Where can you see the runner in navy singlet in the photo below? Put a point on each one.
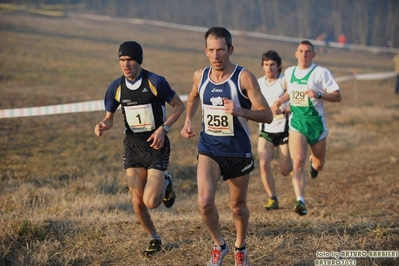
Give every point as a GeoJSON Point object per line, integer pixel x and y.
{"type": "Point", "coordinates": [229, 96]}
{"type": "Point", "coordinates": [142, 96]}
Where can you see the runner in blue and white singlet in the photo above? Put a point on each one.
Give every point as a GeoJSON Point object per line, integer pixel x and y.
{"type": "Point", "coordinates": [223, 134]}
{"type": "Point", "coordinates": [229, 96]}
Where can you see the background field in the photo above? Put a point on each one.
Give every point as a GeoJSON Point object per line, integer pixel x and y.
{"type": "Point", "coordinates": [63, 195]}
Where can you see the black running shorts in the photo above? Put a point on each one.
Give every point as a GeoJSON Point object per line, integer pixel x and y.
{"type": "Point", "coordinates": [138, 153]}
{"type": "Point", "coordinates": [277, 139]}
{"type": "Point", "coordinates": [231, 167]}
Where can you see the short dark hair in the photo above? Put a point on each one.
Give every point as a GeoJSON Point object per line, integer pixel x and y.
{"type": "Point", "coordinates": [221, 33]}
{"type": "Point", "coordinates": [306, 42]}
{"type": "Point", "coordinates": [272, 55]}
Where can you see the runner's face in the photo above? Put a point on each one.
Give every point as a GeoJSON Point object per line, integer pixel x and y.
{"type": "Point", "coordinates": [305, 55]}
{"type": "Point", "coordinates": [130, 68]}
{"type": "Point", "coordinates": [217, 52]}
{"type": "Point", "coordinates": [270, 68]}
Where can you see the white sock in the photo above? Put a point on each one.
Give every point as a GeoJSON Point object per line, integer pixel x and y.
{"type": "Point", "coordinates": [301, 199]}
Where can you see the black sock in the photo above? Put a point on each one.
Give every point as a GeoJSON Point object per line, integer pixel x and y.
{"type": "Point", "coordinates": [223, 246]}
{"type": "Point", "coordinates": [241, 249]}
{"type": "Point", "coordinates": [274, 198]}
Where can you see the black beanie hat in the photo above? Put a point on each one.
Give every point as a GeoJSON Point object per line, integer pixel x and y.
{"type": "Point", "coordinates": [132, 49]}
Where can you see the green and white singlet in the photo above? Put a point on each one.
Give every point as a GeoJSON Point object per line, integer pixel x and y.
{"type": "Point", "coordinates": [308, 113]}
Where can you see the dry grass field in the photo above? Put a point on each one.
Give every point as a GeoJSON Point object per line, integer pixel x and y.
{"type": "Point", "coordinates": [63, 194]}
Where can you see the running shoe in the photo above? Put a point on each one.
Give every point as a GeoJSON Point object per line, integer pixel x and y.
{"type": "Point", "coordinates": [154, 247]}
{"type": "Point", "coordinates": [170, 194]}
{"type": "Point", "coordinates": [300, 208]}
{"type": "Point", "coordinates": [271, 205]}
{"type": "Point", "coordinates": [241, 257]}
{"type": "Point", "coordinates": [312, 172]}
{"type": "Point", "coordinates": [218, 255]}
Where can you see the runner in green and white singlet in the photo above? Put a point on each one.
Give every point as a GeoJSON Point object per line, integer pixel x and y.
{"type": "Point", "coordinates": [307, 113]}
{"type": "Point", "coordinates": [308, 87]}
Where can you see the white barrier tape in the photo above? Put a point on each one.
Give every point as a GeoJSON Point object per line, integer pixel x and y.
{"type": "Point", "coordinates": [88, 106]}
{"type": "Point", "coordinates": [374, 76]}
{"type": "Point", "coordinates": [184, 97]}
{"type": "Point", "coordinates": [371, 76]}
{"type": "Point", "coordinates": [98, 105]}
{"type": "Point", "coordinates": [53, 109]}
{"type": "Point", "coordinates": [344, 78]}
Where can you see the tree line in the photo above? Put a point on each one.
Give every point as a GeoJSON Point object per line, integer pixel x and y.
{"type": "Point", "coordinates": [363, 22]}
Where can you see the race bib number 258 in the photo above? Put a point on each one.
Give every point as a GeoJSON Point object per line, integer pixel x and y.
{"type": "Point", "coordinates": [217, 122]}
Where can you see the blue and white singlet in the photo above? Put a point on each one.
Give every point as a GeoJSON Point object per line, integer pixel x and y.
{"type": "Point", "coordinates": [223, 134]}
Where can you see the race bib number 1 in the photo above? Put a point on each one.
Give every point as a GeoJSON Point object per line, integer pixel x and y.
{"type": "Point", "coordinates": [217, 122]}
{"type": "Point", "coordinates": [140, 118]}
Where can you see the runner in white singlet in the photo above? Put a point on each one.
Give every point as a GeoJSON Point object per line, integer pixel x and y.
{"type": "Point", "coordinates": [274, 135]}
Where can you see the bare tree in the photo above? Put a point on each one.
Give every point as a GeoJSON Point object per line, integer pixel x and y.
{"type": "Point", "coordinates": [303, 17]}
{"type": "Point", "coordinates": [337, 7]}
{"type": "Point", "coordinates": [263, 16]}
{"type": "Point", "coordinates": [379, 14]}
{"type": "Point", "coordinates": [363, 21]}
{"type": "Point", "coordinates": [392, 22]}
{"type": "Point", "coordinates": [360, 20]}
{"type": "Point", "coordinates": [276, 16]}
{"type": "Point", "coordinates": [219, 12]}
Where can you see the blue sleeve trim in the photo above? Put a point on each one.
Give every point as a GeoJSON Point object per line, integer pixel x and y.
{"type": "Point", "coordinates": [110, 103]}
